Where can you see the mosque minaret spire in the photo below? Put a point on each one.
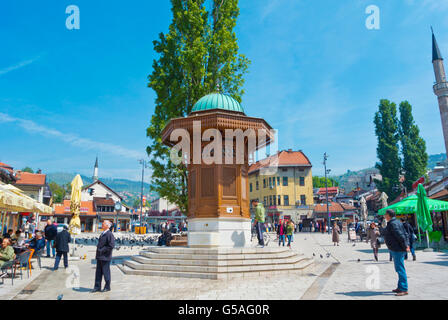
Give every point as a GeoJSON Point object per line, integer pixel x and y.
{"type": "Point", "coordinates": [440, 87]}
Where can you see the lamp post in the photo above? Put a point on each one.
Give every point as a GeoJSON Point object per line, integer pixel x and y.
{"type": "Point", "coordinates": [326, 189]}
{"type": "Point", "coordinates": [144, 164]}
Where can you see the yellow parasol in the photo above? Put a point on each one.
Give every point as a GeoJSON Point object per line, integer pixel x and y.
{"type": "Point", "coordinates": [75, 205]}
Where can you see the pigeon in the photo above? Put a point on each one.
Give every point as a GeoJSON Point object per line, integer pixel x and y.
{"type": "Point", "coordinates": [314, 254]}
{"type": "Point", "coordinates": [354, 245]}
{"type": "Point", "coordinates": [60, 297]}
{"type": "Point", "coordinates": [321, 256]}
{"type": "Point", "coordinates": [359, 260]}
{"type": "Point", "coordinates": [328, 255]}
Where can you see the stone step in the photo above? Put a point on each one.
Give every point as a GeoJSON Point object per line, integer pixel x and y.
{"type": "Point", "coordinates": [216, 269]}
{"type": "Point", "coordinates": [300, 268]}
{"type": "Point", "coordinates": [129, 271]}
{"type": "Point", "coordinates": [220, 251]}
{"type": "Point", "coordinates": [203, 262]}
{"type": "Point", "coordinates": [193, 256]}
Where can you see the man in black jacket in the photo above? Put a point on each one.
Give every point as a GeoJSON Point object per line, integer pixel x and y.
{"type": "Point", "coordinates": [411, 235]}
{"type": "Point", "coordinates": [397, 242]}
{"type": "Point", "coordinates": [106, 244]}
{"type": "Point", "coordinates": [61, 244]}
{"type": "Point", "coordinates": [50, 235]}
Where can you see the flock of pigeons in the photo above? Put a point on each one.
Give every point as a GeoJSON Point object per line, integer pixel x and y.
{"type": "Point", "coordinates": [126, 242]}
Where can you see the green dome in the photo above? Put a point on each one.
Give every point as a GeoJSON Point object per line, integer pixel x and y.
{"type": "Point", "coordinates": [217, 101]}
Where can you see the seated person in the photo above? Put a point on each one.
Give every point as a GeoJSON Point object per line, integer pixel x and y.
{"type": "Point", "coordinates": [8, 234]}
{"type": "Point", "coordinates": [165, 238]}
{"type": "Point", "coordinates": [6, 252]}
{"type": "Point", "coordinates": [36, 243]}
{"type": "Point", "coordinates": [18, 238]}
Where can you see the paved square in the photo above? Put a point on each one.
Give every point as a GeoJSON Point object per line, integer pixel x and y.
{"type": "Point", "coordinates": [337, 274]}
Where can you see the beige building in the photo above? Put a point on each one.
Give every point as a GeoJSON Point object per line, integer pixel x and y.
{"type": "Point", "coordinates": [284, 183]}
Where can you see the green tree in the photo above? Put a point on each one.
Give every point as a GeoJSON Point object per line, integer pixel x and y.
{"type": "Point", "coordinates": [386, 130]}
{"type": "Point", "coordinates": [199, 52]}
{"type": "Point", "coordinates": [136, 204]}
{"type": "Point", "coordinates": [319, 182]}
{"type": "Point", "coordinates": [415, 158]}
{"type": "Point", "coordinates": [28, 169]}
{"type": "Point", "coordinates": [57, 191]}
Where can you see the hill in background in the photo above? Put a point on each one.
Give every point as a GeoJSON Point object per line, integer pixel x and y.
{"type": "Point", "coordinates": [349, 180]}
{"type": "Point", "coordinates": [128, 189]}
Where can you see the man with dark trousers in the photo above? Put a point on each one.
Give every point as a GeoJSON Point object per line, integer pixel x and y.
{"type": "Point", "coordinates": [397, 241]}
{"type": "Point", "coordinates": [61, 244]}
{"type": "Point", "coordinates": [106, 244]}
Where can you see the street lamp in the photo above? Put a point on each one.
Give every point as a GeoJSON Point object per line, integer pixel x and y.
{"type": "Point", "coordinates": [327, 171]}
{"type": "Point", "coordinates": [144, 164]}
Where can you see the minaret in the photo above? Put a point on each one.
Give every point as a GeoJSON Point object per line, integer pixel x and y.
{"type": "Point", "coordinates": [440, 87]}
{"type": "Point", "coordinates": [95, 171]}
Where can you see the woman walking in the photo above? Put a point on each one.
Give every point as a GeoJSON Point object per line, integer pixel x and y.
{"type": "Point", "coordinates": [335, 233]}
{"type": "Point", "coordinates": [281, 231]}
{"type": "Point", "coordinates": [372, 234]}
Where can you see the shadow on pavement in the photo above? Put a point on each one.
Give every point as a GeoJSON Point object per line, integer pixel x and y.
{"type": "Point", "coordinates": [82, 289]}
{"type": "Point", "coordinates": [365, 293]}
{"type": "Point", "coordinates": [115, 260]}
{"type": "Point", "coordinates": [438, 263]}
{"type": "Point", "coordinates": [371, 251]}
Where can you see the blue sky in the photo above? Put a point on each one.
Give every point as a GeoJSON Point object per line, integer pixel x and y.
{"type": "Point", "coordinates": [317, 75]}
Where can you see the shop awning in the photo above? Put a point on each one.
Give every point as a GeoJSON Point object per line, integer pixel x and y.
{"type": "Point", "coordinates": [13, 199]}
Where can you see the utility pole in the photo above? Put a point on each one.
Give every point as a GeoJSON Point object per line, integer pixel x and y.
{"type": "Point", "coordinates": [326, 189]}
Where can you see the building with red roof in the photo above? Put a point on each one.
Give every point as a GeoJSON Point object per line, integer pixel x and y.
{"type": "Point", "coordinates": [284, 183]}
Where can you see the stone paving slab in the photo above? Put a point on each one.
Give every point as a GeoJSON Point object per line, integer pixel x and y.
{"type": "Point", "coordinates": [349, 280]}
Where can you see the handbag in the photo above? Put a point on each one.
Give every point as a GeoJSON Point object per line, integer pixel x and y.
{"type": "Point", "coordinates": [380, 241]}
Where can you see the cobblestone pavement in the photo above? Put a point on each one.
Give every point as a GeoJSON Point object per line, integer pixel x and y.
{"type": "Point", "coordinates": [336, 275]}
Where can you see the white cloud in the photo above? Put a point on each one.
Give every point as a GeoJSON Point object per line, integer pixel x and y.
{"type": "Point", "coordinates": [17, 66]}
{"type": "Point", "coordinates": [83, 143]}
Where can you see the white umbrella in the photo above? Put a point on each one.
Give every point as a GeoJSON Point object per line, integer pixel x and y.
{"type": "Point", "coordinates": [364, 210]}
{"type": "Point", "coordinates": [383, 199]}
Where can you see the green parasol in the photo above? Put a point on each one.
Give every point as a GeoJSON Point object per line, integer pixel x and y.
{"type": "Point", "coordinates": [409, 206]}
{"type": "Point", "coordinates": [423, 214]}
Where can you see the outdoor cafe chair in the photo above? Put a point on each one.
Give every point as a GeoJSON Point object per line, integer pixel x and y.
{"type": "Point", "coordinates": [38, 256]}
{"type": "Point", "coordinates": [23, 261]}
{"type": "Point", "coordinates": [8, 265]}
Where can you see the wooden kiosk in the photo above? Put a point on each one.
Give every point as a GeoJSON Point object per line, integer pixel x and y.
{"type": "Point", "coordinates": [218, 193]}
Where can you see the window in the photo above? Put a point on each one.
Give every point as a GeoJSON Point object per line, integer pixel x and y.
{"type": "Point", "coordinates": [264, 201]}
{"type": "Point", "coordinates": [285, 181]}
{"type": "Point", "coordinates": [286, 200]}
{"type": "Point", "coordinates": [256, 185]}
{"type": "Point", "coordinates": [250, 187]}
{"type": "Point", "coordinates": [284, 169]}
{"type": "Point", "coordinates": [302, 181]}
{"type": "Point", "coordinates": [270, 200]}
{"type": "Point", "coordinates": [270, 182]}
{"type": "Point", "coordinates": [279, 200]}
{"type": "Point", "coordinates": [264, 183]}
{"type": "Point", "coordinates": [278, 181]}
{"type": "Point", "coordinates": [301, 169]}
{"type": "Point", "coordinates": [303, 199]}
